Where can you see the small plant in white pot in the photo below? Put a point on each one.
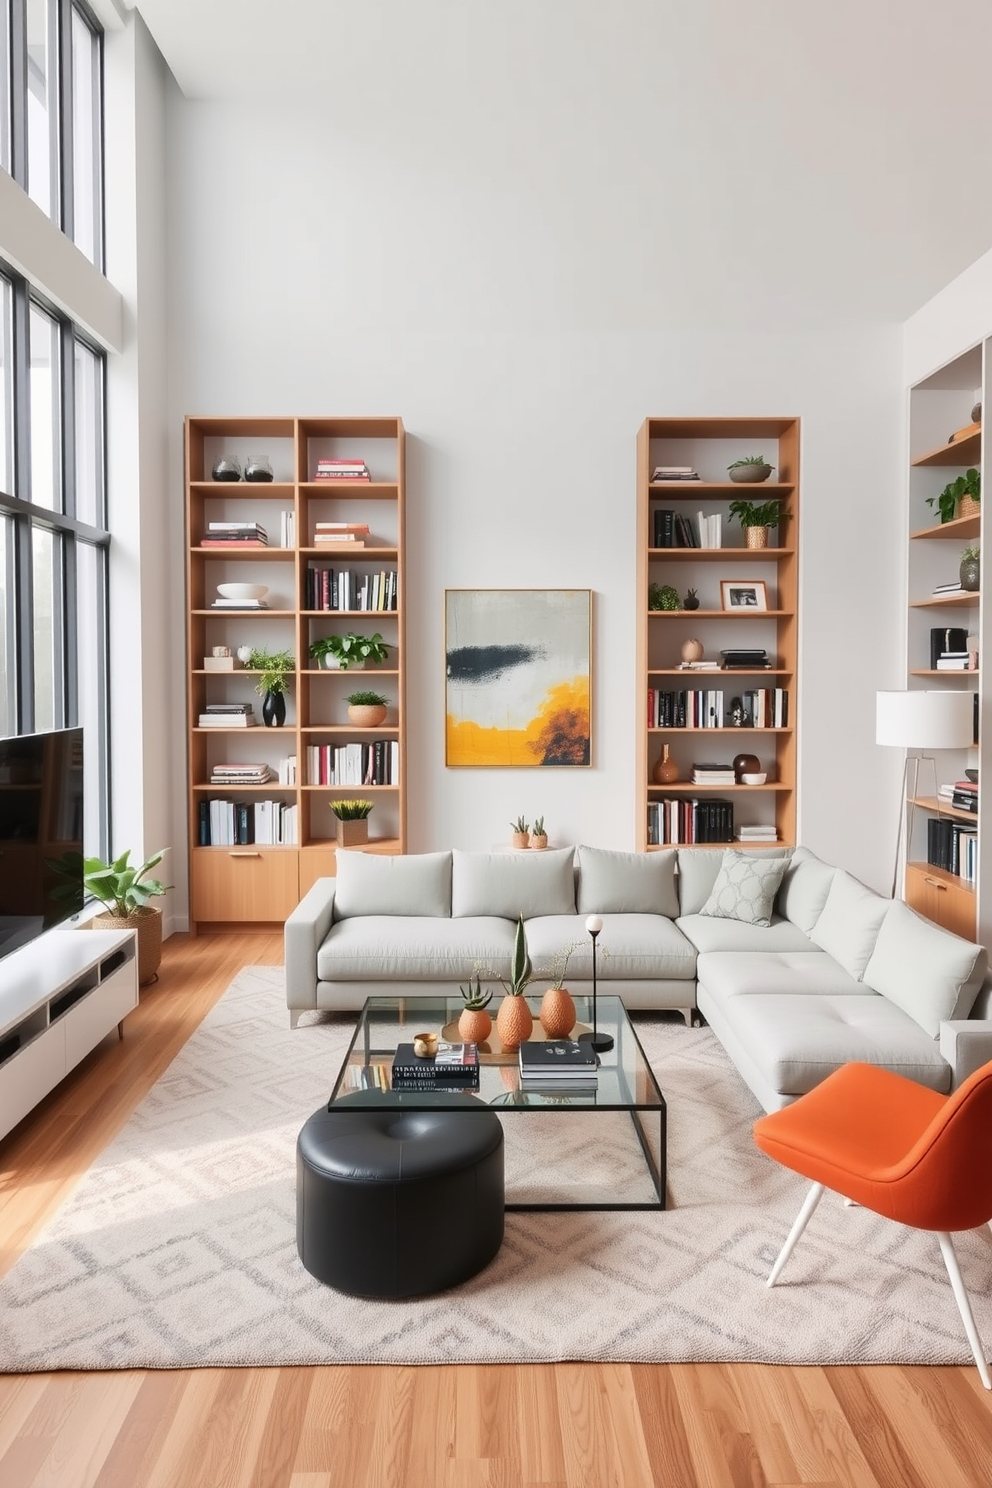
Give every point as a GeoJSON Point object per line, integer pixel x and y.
{"type": "Point", "coordinates": [367, 709]}
{"type": "Point", "coordinates": [353, 821]}
{"type": "Point", "coordinates": [349, 652]}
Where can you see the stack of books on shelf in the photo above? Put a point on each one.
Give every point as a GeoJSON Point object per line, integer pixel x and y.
{"type": "Point", "coordinates": [745, 659]}
{"type": "Point", "coordinates": [964, 795]}
{"type": "Point", "coordinates": [228, 715]}
{"type": "Point", "coordinates": [559, 1064]}
{"type": "Point", "coordinates": [235, 535]}
{"type": "Point", "coordinates": [710, 530]}
{"type": "Point", "coordinates": [377, 763]}
{"type": "Point", "coordinates": [954, 586]}
{"type": "Point", "coordinates": [953, 846]}
{"type": "Point", "coordinates": [239, 604]}
{"type": "Point", "coordinates": [237, 823]}
{"type": "Point", "coordinates": [947, 641]}
{"type": "Point", "coordinates": [957, 661]}
{"type": "Point", "coordinates": [757, 834]}
{"type": "Point", "coordinates": [349, 470]}
{"type": "Point", "coordinates": [344, 589]}
{"type": "Point", "coordinates": [674, 473]}
{"type": "Point", "coordinates": [287, 529]}
{"type": "Point", "coordinates": [680, 821]}
{"type": "Point", "coordinates": [672, 530]}
{"type": "Point", "coordinates": [699, 666]}
{"type": "Point", "coordinates": [713, 774]}
{"type": "Point", "coordinates": [240, 774]}
{"type": "Point", "coordinates": [453, 1067]}
{"type": "Point", "coordinates": [344, 535]}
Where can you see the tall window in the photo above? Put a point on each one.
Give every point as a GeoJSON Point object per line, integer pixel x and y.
{"type": "Point", "coordinates": [53, 535]}
{"type": "Point", "coordinates": [51, 113]}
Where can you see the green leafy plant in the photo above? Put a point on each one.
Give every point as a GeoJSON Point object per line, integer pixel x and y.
{"type": "Point", "coordinates": [274, 667]}
{"type": "Point", "coordinates": [474, 997]}
{"type": "Point", "coordinates": [758, 513]}
{"type": "Point", "coordinates": [118, 886]}
{"type": "Point", "coordinates": [520, 978]}
{"type": "Point", "coordinates": [366, 700]}
{"type": "Point", "coordinates": [520, 825]}
{"type": "Point", "coordinates": [350, 648]}
{"type": "Point", "coordinates": [969, 484]}
{"type": "Point", "coordinates": [663, 597]}
{"type": "Point", "coordinates": [749, 460]}
{"type": "Point", "coordinates": [970, 554]}
{"type": "Point", "coordinates": [538, 828]}
{"type": "Point", "coordinates": [351, 810]}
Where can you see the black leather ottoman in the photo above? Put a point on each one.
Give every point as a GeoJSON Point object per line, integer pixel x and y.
{"type": "Point", "coordinates": [397, 1202]}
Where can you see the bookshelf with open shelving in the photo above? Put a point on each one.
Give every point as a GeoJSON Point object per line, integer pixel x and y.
{"type": "Point", "coordinates": [710, 445]}
{"type": "Point", "coordinates": [254, 881]}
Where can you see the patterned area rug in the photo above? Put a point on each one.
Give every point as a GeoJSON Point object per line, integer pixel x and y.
{"type": "Point", "coordinates": [178, 1248]}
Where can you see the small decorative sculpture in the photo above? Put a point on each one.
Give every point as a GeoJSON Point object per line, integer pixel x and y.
{"type": "Point", "coordinates": [692, 650]}
{"type": "Point", "coordinates": [691, 601]}
{"type": "Point", "coordinates": [737, 715]}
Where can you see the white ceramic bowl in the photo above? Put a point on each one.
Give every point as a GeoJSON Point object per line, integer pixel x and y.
{"type": "Point", "coordinates": [754, 779]}
{"type": "Point", "coordinates": [242, 591]}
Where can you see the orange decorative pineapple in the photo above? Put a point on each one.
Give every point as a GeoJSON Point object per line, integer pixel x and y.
{"type": "Point", "coordinates": [474, 1023]}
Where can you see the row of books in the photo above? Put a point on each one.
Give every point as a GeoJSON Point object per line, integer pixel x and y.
{"type": "Point", "coordinates": [953, 846]}
{"type": "Point", "coordinates": [764, 707]}
{"type": "Point", "coordinates": [349, 470]}
{"type": "Point", "coordinates": [237, 823]}
{"type": "Point", "coordinates": [377, 763]}
{"type": "Point", "coordinates": [235, 535]}
{"type": "Point", "coordinates": [687, 820]}
{"type": "Point", "coordinates": [452, 1067]}
{"type": "Point", "coordinates": [343, 589]}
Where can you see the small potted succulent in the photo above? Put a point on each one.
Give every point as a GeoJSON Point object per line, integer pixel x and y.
{"type": "Point", "coordinates": [350, 651]}
{"type": "Point", "coordinates": [970, 570]}
{"type": "Point", "coordinates": [538, 836]}
{"type": "Point", "coordinates": [752, 469]}
{"type": "Point", "coordinates": [961, 497]}
{"type": "Point", "coordinates": [353, 821]}
{"type": "Point", "coordinates": [474, 1023]}
{"type": "Point", "coordinates": [366, 709]}
{"type": "Point", "coordinates": [756, 518]}
{"type": "Point", "coordinates": [663, 597]}
{"type": "Point", "coordinates": [521, 832]}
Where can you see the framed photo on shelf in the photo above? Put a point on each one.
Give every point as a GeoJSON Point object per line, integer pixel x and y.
{"type": "Point", "coordinates": [517, 677]}
{"type": "Point", "coordinates": [743, 594]}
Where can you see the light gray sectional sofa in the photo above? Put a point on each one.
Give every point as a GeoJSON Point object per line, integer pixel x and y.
{"type": "Point", "coordinates": [797, 967]}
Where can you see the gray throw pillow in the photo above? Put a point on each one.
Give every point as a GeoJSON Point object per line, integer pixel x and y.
{"type": "Point", "coordinates": [745, 888]}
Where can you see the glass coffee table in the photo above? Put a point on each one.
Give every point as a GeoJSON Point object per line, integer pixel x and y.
{"type": "Point", "coordinates": [578, 1149]}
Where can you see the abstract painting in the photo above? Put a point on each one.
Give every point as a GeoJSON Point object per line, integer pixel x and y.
{"type": "Point", "coordinates": [517, 676]}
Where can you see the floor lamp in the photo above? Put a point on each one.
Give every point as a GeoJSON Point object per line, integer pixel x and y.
{"type": "Point", "coordinates": [923, 721]}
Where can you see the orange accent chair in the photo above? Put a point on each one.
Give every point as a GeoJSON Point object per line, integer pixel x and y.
{"type": "Point", "coordinates": [898, 1148]}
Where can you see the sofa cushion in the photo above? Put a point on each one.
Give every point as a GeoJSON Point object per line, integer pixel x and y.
{"type": "Point", "coordinates": [848, 924]}
{"type": "Point", "coordinates": [797, 1042]}
{"type": "Point", "coordinates": [708, 934]}
{"type": "Point", "coordinates": [510, 884]}
{"type": "Point", "coordinates": [745, 888]}
{"type": "Point", "coordinates": [627, 882]}
{"type": "Point", "coordinates": [698, 868]}
{"type": "Point", "coordinates": [415, 884]}
{"type": "Point", "coordinates": [633, 947]}
{"type": "Point", "coordinates": [929, 973]}
{"type": "Point", "coordinates": [374, 948]}
{"type": "Point", "coordinates": [776, 973]}
{"type": "Point", "coordinates": [804, 889]}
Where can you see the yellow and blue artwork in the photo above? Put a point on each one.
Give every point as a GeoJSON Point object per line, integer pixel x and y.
{"type": "Point", "coordinates": [517, 677]}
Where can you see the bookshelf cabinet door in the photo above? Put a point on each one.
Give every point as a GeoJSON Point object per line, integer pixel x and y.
{"type": "Point", "coordinates": [232, 884]}
{"type": "Point", "coordinates": [940, 899]}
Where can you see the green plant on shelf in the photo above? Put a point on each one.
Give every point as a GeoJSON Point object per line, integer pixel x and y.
{"type": "Point", "coordinates": [366, 700]}
{"type": "Point", "coordinates": [350, 650]}
{"type": "Point", "coordinates": [946, 502]}
{"type": "Point", "coordinates": [663, 597]}
{"type": "Point", "coordinates": [274, 666]}
{"type": "Point", "coordinates": [749, 460]}
{"type": "Point", "coordinates": [757, 513]}
{"type": "Point", "coordinates": [971, 554]}
{"type": "Point", "coordinates": [351, 810]}
{"type": "Point", "coordinates": [521, 824]}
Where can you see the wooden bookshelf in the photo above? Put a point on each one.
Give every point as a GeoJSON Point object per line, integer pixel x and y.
{"type": "Point", "coordinates": [260, 883]}
{"type": "Point", "coordinates": [709, 445]}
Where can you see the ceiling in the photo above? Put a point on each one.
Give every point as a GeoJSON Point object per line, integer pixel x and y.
{"type": "Point", "coordinates": [851, 136]}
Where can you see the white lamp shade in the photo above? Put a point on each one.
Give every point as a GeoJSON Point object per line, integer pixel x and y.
{"type": "Point", "coordinates": [925, 720]}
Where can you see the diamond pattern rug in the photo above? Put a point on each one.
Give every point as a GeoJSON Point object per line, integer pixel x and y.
{"type": "Point", "coordinates": [178, 1249]}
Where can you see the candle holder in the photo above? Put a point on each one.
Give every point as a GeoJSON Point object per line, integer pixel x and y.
{"type": "Point", "coordinates": [600, 1042]}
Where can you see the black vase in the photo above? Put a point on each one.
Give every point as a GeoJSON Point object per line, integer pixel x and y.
{"type": "Point", "coordinates": [274, 709]}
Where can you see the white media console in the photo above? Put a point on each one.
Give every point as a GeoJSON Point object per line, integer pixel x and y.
{"type": "Point", "coordinates": [59, 996]}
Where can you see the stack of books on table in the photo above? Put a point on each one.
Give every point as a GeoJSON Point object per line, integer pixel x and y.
{"type": "Point", "coordinates": [349, 470]}
{"type": "Point", "coordinates": [228, 715]}
{"type": "Point", "coordinates": [757, 834]}
{"type": "Point", "coordinates": [453, 1067]}
{"type": "Point", "coordinates": [343, 536]}
{"type": "Point", "coordinates": [234, 535]}
{"type": "Point", "coordinates": [713, 774]}
{"type": "Point", "coordinates": [240, 774]}
{"type": "Point", "coordinates": [746, 659]}
{"type": "Point", "coordinates": [674, 473]}
{"type": "Point", "coordinates": [558, 1064]}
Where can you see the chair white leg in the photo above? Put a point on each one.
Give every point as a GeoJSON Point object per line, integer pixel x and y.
{"type": "Point", "coordinates": [812, 1199]}
{"type": "Point", "coordinates": [964, 1305]}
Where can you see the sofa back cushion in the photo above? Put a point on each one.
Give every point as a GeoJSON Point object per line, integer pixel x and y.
{"type": "Point", "coordinates": [626, 882]}
{"type": "Point", "coordinates": [513, 883]}
{"type": "Point", "coordinates": [698, 868]}
{"type": "Point", "coordinates": [417, 884]}
{"type": "Point", "coordinates": [929, 973]}
{"type": "Point", "coordinates": [804, 889]}
{"type": "Point", "coordinates": [848, 924]}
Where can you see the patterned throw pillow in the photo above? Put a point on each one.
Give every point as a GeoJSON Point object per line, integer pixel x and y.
{"type": "Point", "coordinates": [745, 888]}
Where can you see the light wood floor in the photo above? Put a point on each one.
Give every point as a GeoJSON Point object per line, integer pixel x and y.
{"type": "Point", "coordinates": [524, 1426]}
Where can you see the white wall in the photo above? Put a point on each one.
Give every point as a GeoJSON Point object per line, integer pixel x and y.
{"type": "Point", "coordinates": [313, 275]}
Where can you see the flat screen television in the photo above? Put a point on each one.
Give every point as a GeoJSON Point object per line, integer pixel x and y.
{"type": "Point", "coordinates": [41, 819]}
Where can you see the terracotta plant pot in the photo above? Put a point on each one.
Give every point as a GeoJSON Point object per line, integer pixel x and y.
{"type": "Point", "coordinates": [351, 833]}
{"type": "Point", "coordinates": [539, 840]}
{"type": "Point", "coordinates": [557, 1013]}
{"type": "Point", "coordinates": [756, 537]}
{"type": "Point", "coordinates": [147, 922]}
{"type": "Point", "coordinates": [514, 1022]}
{"type": "Point", "coordinates": [366, 715]}
{"type": "Point", "coordinates": [521, 839]}
{"type": "Point", "coordinates": [475, 1025]}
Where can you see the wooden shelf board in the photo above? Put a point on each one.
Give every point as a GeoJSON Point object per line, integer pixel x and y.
{"type": "Point", "coordinates": [330, 844]}
{"type": "Point", "coordinates": [253, 490]}
{"type": "Point", "coordinates": [959, 529]}
{"type": "Point", "coordinates": [737, 845]}
{"type": "Point", "coordinates": [263, 790]}
{"type": "Point", "coordinates": [945, 672]}
{"type": "Point", "coordinates": [716, 555]}
{"type": "Point", "coordinates": [746, 728]}
{"type": "Point", "coordinates": [350, 789]}
{"type": "Point", "coordinates": [350, 672]}
{"type": "Point", "coordinates": [324, 614]}
{"type": "Point", "coordinates": [943, 808]}
{"type": "Point", "coordinates": [946, 601]}
{"type": "Point", "coordinates": [351, 490]}
{"type": "Point", "coordinates": [720, 672]}
{"type": "Point", "coordinates": [965, 450]}
{"type": "Point", "coordinates": [350, 728]}
{"type": "Point", "coordinates": [687, 785]}
{"type": "Point", "coordinates": [943, 875]}
{"type": "Point", "coordinates": [746, 612]}
{"type": "Point", "coordinates": [240, 614]}
{"type": "Point", "coordinates": [685, 490]}
{"type": "Point", "coordinates": [360, 555]}
{"type": "Point", "coordinates": [244, 550]}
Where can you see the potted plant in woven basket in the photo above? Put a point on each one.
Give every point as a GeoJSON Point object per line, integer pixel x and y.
{"type": "Point", "coordinates": [756, 518]}
{"type": "Point", "coordinates": [125, 891]}
{"type": "Point", "coordinates": [961, 497]}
